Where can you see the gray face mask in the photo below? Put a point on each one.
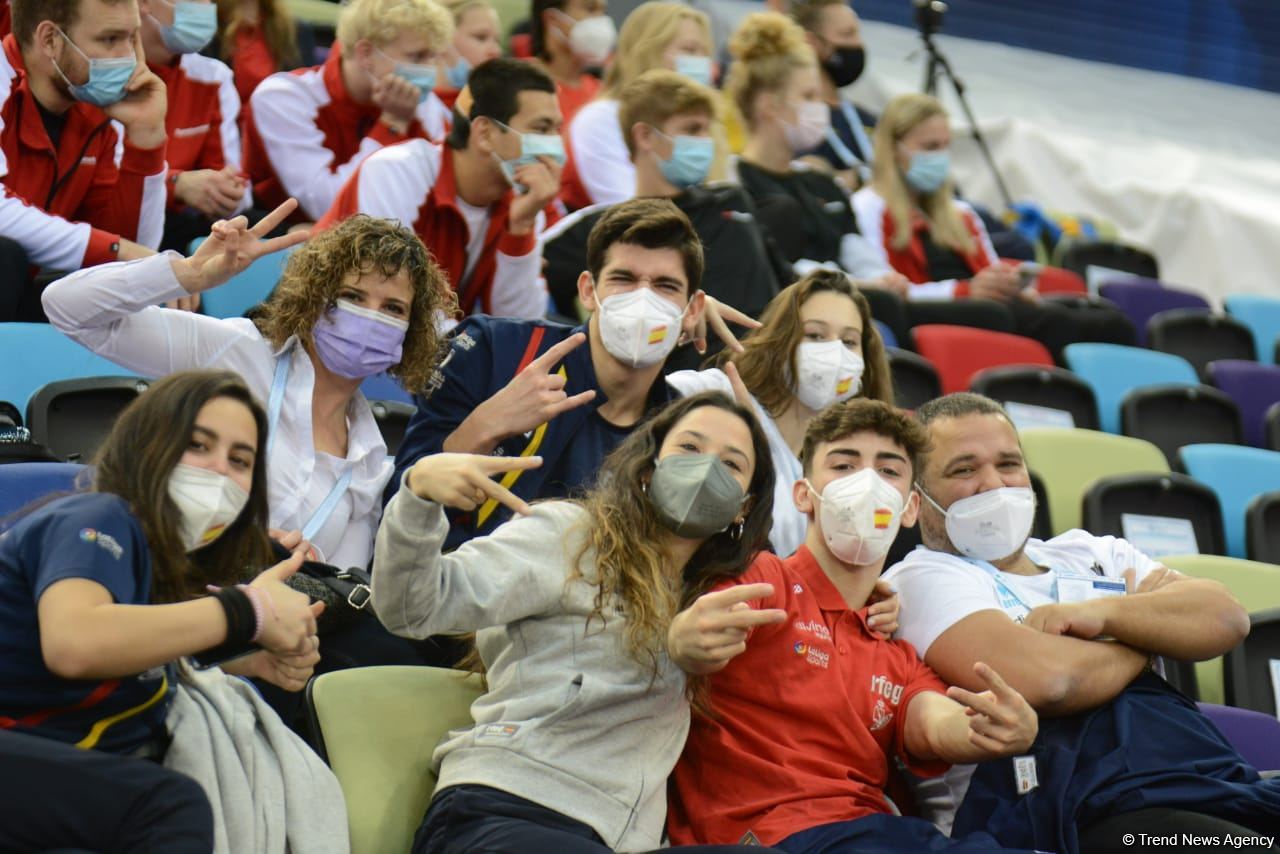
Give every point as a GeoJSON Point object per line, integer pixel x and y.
{"type": "Point", "coordinates": [694, 494]}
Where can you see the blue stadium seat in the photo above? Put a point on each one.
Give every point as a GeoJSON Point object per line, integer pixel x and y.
{"type": "Point", "coordinates": [1238, 474]}
{"type": "Point", "coordinates": [36, 354]}
{"type": "Point", "coordinates": [886, 334]}
{"type": "Point", "coordinates": [244, 290]}
{"type": "Point", "coordinates": [22, 483]}
{"type": "Point", "coordinates": [1262, 316]}
{"type": "Point", "coordinates": [1113, 371]}
{"type": "Point", "coordinates": [383, 387]}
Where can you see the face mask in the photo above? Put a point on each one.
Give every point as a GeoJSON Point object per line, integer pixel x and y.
{"type": "Point", "coordinates": [532, 146]}
{"type": "Point", "coordinates": [694, 495]}
{"type": "Point", "coordinates": [422, 77]}
{"type": "Point", "coordinates": [990, 525]}
{"type": "Point", "coordinates": [696, 68]}
{"type": "Point", "coordinates": [845, 65]}
{"type": "Point", "coordinates": [639, 328]}
{"type": "Point", "coordinates": [860, 516]}
{"type": "Point", "coordinates": [356, 342]}
{"type": "Point", "coordinates": [591, 39]}
{"type": "Point", "coordinates": [813, 120]}
{"type": "Point", "coordinates": [107, 78]}
{"type": "Point", "coordinates": [457, 74]}
{"type": "Point", "coordinates": [207, 503]}
{"type": "Point", "coordinates": [928, 170]}
{"type": "Point", "coordinates": [690, 159]}
{"type": "Point", "coordinates": [827, 371]}
{"type": "Point", "coordinates": [193, 27]}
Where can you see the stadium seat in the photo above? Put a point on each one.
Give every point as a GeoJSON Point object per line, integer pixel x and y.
{"type": "Point", "coordinates": [886, 334]}
{"type": "Point", "coordinates": [1070, 461]}
{"type": "Point", "coordinates": [1248, 681]}
{"type": "Point", "coordinates": [1200, 337]}
{"type": "Point", "coordinates": [1254, 387]}
{"type": "Point", "coordinates": [1112, 503]}
{"type": "Point", "coordinates": [1056, 280]}
{"type": "Point", "coordinates": [1050, 388]}
{"type": "Point", "coordinates": [10, 415]}
{"type": "Point", "coordinates": [1238, 475]}
{"type": "Point", "coordinates": [73, 417]}
{"type": "Point", "coordinates": [915, 380]}
{"type": "Point", "coordinates": [1256, 585]}
{"type": "Point", "coordinates": [1256, 736]}
{"type": "Point", "coordinates": [1078, 255]}
{"type": "Point", "coordinates": [1272, 427]}
{"type": "Point", "coordinates": [245, 289]}
{"type": "Point", "coordinates": [383, 387]}
{"type": "Point", "coordinates": [1170, 416]}
{"type": "Point", "coordinates": [387, 781]}
{"type": "Point", "coordinates": [35, 354]}
{"type": "Point", "coordinates": [1262, 316]}
{"type": "Point", "coordinates": [1141, 301]}
{"type": "Point", "coordinates": [22, 483]}
{"type": "Point", "coordinates": [959, 352]}
{"type": "Point", "coordinates": [1262, 528]}
{"type": "Point", "coordinates": [1113, 371]}
{"type": "Point", "coordinates": [393, 419]}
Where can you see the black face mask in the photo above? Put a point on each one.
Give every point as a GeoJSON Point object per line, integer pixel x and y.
{"type": "Point", "coordinates": [845, 65]}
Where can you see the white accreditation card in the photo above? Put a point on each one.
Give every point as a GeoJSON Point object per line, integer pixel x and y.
{"type": "Point", "coordinates": [1080, 588]}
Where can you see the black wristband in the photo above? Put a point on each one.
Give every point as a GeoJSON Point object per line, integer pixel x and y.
{"type": "Point", "coordinates": [241, 625]}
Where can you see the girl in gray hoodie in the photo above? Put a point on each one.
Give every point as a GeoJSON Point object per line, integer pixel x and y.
{"type": "Point", "coordinates": [571, 601]}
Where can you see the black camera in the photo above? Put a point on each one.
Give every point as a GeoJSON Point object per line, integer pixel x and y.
{"type": "Point", "coordinates": [929, 15]}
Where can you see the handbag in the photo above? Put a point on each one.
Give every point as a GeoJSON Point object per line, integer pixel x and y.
{"type": "Point", "coordinates": [346, 593]}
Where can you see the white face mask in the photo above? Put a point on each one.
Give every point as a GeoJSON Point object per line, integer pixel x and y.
{"type": "Point", "coordinates": [592, 39]}
{"type": "Point", "coordinates": [639, 328]}
{"type": "Point", "coordinates": [860, 516]}
{"type": "Point", "coordinates": [207, 503]}
{"type": "Point", "coordinates": [990, 525]}
{"type": "Point", "coordinates": [813, 120]}
{"type": "Point", "coordinates": [827, 371]}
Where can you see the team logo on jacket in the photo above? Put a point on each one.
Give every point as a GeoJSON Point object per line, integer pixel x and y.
{"type": "Point", "coordinates": [105, 541]}
{"type": "Point", "coordinates": [812, 654]}
{"type": "Point", "coordinates": [881, 717]}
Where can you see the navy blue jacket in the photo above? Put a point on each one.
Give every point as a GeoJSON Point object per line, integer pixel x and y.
{"type": "Point", "coordinates": [484, 354]}
{"type": "Point", "coordinates": [1149, 747]}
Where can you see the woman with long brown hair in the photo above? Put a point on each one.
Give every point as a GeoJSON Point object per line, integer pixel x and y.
{"type": "Point", "coordinates": [571, 601]}
{"type": "Point", "coordinates": [257, 38]}
{"type": "Point", "coordinates": [101, 591]}
{"type": "Point", "coordinates": [817, 345]}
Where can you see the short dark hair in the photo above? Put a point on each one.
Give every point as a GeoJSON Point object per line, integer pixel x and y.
{"type": "Point", "coordinates": [27, 15]}
{"type": "Point", "coordinates": [652, 223]}
{"type": "Point", "coordinates": [808, 13]}
{"type": "Point", "coordinates": [859, 414]}
{"type": "Point", "coordinates": [537, 35]}
{"type": "Point", "coordinates": [956, 405]}
{"type": "Point", "coordinates": [495, 88]}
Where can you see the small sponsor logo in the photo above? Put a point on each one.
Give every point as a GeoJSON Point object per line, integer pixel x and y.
{"type": "Point", "coordinates": [105, 541]}
{"type": "Point", "coordinates": [812, 654]}
{"type": "Point", "coordinates": [796, 588]}
{"type": "Point", "coordinates": [500, 730]}
{"type": "Point", "coordinates": [890, 691]}
{"type": "Point", "coordinates": [801, 648]}
{"type": "Point", "coordinates": [881, 717]}
{"type": "Point", "coordinates": [814, 628]}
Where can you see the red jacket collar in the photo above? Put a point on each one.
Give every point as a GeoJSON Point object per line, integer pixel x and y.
{"type": "Point", "coordinates": [30, 124]}
{"type": "Point", "coordinates": [331, 72]}
{"type": "Point", "coordinates": [829, 598]}
{"type": "Point", "coordinates": [445, 191]}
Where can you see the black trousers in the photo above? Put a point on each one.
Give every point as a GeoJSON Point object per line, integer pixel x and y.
{"type": "Point", "coordinates": [59, 797]}
{"type": "Point", "coordinates": [19, 298]}
{"type": "Point", "coordinates": [1110, 835]}
{"type": "Point", "coordinates": [474, 819]}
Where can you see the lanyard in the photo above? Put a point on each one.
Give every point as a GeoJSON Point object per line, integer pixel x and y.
{"type": "Point", "coordinates": [843, 151]}
{"type": "Point", "coordinates": [1007, 593]}
{"type": "Point", "coordinates": [274, 403]}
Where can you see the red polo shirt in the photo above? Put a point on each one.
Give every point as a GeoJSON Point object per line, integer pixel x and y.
{"type": "Point", "coordinates": [807, 719]}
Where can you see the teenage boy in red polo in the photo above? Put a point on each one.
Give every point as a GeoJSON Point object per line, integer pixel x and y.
{"type": "Point", "coordinates": [477, 200]}
{"type": "Point", "coordinates": [779, 760]}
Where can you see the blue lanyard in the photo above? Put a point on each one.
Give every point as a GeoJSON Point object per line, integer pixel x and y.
{"type": "Point", "coordinates": [843, 151]}
{"type": "Point", "coordinates": [274, 403]}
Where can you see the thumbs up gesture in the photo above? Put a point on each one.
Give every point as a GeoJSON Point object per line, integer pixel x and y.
{"type": "Point", "coordinates": [289, 624]}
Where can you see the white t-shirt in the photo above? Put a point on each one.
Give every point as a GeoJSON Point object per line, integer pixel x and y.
{"type": "Point", "coordinates": [789, 524]}
{"type": "Point", "coordinates": [477, 227]}
{"type": "Point", "coordinates": [600, 153]}
{"type": "Point", "coordinates": [938, 590]}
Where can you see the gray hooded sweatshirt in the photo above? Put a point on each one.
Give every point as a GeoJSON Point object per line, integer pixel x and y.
{"type": "Point", "coordinates": [571, 720]}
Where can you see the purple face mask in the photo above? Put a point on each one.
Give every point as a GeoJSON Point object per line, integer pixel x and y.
{"type": "Point", "coordinates": [356, 342]}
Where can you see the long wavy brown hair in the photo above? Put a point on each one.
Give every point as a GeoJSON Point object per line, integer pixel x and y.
{"type": "Point", "coordinates": [769, 377]}
{"type": "Point", "coordinates": [275, 21]}
{"type": "Point", "coordinates": [631, 566]}
{"type": "Point", "coordinates": [362, 244]}
{"type": "Point", "coordinates": [135, 462]}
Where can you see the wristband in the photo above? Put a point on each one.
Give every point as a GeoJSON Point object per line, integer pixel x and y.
{"type": "Point", "coordinates": [255, 600]}
{"type": "Point", "coordinates": [239, 610]}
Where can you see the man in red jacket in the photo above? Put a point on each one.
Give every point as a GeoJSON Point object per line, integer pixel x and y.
{"type": "Point", "coordinates": [71, 67]}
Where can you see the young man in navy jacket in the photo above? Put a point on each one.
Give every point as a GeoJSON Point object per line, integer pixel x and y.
{"type": "Point", "coordinates": [568, 395]}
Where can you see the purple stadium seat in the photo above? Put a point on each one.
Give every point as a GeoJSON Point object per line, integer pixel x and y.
{"type": "Point", "coordinates": [1254, 387]}
{"type": "Point", "coordinates": [1255, 735]}
{"type": "Point", "coordinates": [1142, 299]}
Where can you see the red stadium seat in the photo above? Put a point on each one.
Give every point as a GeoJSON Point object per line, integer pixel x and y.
{"type": "Point", "coordinates": [959, 352]}
{"type": "Point", "coordinates": [1056, 280]}
{"type": "Point", "coordinates": [522, 46]}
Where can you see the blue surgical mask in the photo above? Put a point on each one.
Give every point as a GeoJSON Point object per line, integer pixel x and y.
{"type": "Point", "coordinates": [458, 73]}
{"type": "Point", "coordinates": [696, 68]}
{"type": "Point", "coordinates": [423, 77]}
{"type": "Point", "coordinates": [532, 146]}
{"type": "Point", "coordinates": [928, 170]}
{"type": "Point", "coordinates": [690, 159]}
{"type": "Point", "coordinates": [193, 27]}
{"type": "Point", "coordinates": [107, 77]}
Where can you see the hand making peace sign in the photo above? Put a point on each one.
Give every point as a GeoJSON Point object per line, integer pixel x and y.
{"type": "Point", "coordinates": [232, 246]}
{"type": "Point", "coordinates": [465, 481]}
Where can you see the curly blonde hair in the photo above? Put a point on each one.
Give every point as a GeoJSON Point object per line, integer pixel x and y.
{"type": "Point", "coordinates": [381, 21]}
{"type": "Point", "coordinates": [358, 245]}
{"type": "Point", "coordinates": [767, 48]}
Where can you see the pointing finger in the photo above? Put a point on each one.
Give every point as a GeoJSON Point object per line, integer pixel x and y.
{"type": "Point", "coordinates": [497, 465]}
{"type": "Point", "coordinates": [740, 392]}
{"type": "Point", "coordinates": [738, 593]}
{"type": "Point", "coordinates": [268, 223]}
{"type": "Point", "coordinates": [554, 354]}
{"type": "Point", "coordinates": [504, 496]}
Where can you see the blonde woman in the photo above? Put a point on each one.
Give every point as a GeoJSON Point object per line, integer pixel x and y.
{"type": "Point", "coordinates": [834, 353]}
{"type": "Point", "coordinates": [913, 220]}
{"type": "Point", "coordinates": [656, 35]}
{"type": "Point", "coordinates": [477, 35]}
